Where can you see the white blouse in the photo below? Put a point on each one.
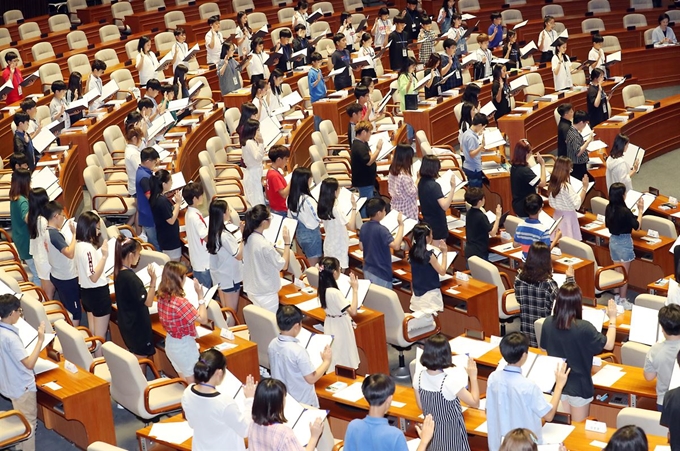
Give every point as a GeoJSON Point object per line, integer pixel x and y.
{"type": "Point", "coordinates": [563, 78]}
{"type": "Point", "coordinates": [148, 69]}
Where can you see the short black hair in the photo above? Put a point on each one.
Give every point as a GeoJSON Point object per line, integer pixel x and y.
{"type": "Point", "coordinates": [496, 15]}
{"type": "Point", "coordinates": [27, 104]}
{"type": "Point", "coordinates": [533, 204]}
{"type": "Point", "coordinates": [376, 388]}
{"type": "Point", "coordinates": [337, 38]}
{"type": "Point", "coordinates": [20, 117]}
{"type": "Point", "coordinates": [580, 116]}
{"type": "Point", "coordinates": [277, 152]}
{"type": "Point", "coordinates": [430, 166]}
{"type": "Point", "coordinates": [17, 159]}
{"type": "Point", "coordinates": [148, 153]}
{"type": "Point", "coordinates": [288, 316]}
{"type": "Point", "coordinates": [448, 43]}
{"type": "Point", "coordinates": [285, 34]}
{"type": "Point", "coordinates": [426, 20]}
{"type": "Point", "coordinates": [179, 31]}
{"type": "Point", "coordinates": [144, 102]}
{"type": "Point", "coordinates": [473, 195]}
{"type": "Point", "coordinates": [669, 319]}
{"type": "Point", "coordinates": [436, 353]}
{"type": "Point", "coordinates": [213, 19]}
{"type": "Point", "coordinates": [360, 91]}
{"type": "Point", "coordinates": [153, 84]}
{"type": "Point", "coordinates": [399, 19]}
{"type": "Point", "coordinates": [597, 39]}
{"type": "Point", "coordinates": [480, 119]}
{"type": "Point", "coordinates": [513, 346]}
{"type": "Point", "coordinates": [268, 402]}
{"type": "Point", "coordinates": [58, 85]}
{"type": "Point", "coordinates": [10, 56]}
{"type": "Point", "coordinates": [316, 56]}
{"type": "Point", "coordinates": [51, 209]}
{"type": "Point", "coordinates": [191, 191]}
{"type": "Point", "coordinates": [8, 304]}
{"type": "Point", "coordinates": [564, 109]}
{"type": "Point", "coordinates": [375, 206]}
{"type": "Point", "coordinates": [353, 109]}
{"type": "Point", "coordinates": [98, 65]}
{"type": "Point", "coordinates": [299, 27]}
{"type": "Point", "coordinates": [664, 16]}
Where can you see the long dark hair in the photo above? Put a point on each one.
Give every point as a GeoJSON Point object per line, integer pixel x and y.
{"type": "Point", "coordinates": [324, 208]}
{"type": "Point", "coordinates": [37, 199]}
{"type": "Point", "coordinates": [418, 252]}
{"type": "Point", "coordinates": [299, 185]}
{"type": "Point", "coordinates": [617, 203]}
{"type": "Point", "coordinates": [466, 115]}
{"type": "Point", "coordinates": [245, 26]}
{"type": "Point", "coordinates": [276, 73]}
{"type": "Point", "coordinates": [268, 402]}
{"type": "Point", "coordinates": [560, 175]}
{"type": "Point", "coordinates": [538, 266]}
{"type": "Point", "coordinates": [471, 93]}
{"type": "Point", "coordinates": [628, 438]}
{"type": "Point", "coordinates": [86, 228]}
{"type": "Point", "coordinates": [402, 161]}
{"type": "Point", "coordinates": [568, 306]}
{"type": "Point", "coordinates": [254, 219]}
{"type": "Point", "coordinates": [75, 82]}
{"type": "Point", "coordinates": [256, 86]}
{"type": "Point", "coordinates": [179, 76]}
{"type": "Point", "coordinates": [249, 131]}
{"type": "Point", "coordinates": [248, 110]}
{"type": "Point", "coordinates": [208, 363]}
{"type": "Point", "coordinates": [619, 146]}
{"type": "Point", "coordinates": [141, 43]}
{"type": "Point", "coordinates": [327, 268]}
{"type": "Point", "coordinates": [20, 184]}
{"type": "Point", "coordinates": [159, 178]}
{"type": "Point", "coordinates": [217, 211]}
{"type": "Point", "coordinates": [410, 61]}
{"type": "Point", "coordinates": [124, 247]}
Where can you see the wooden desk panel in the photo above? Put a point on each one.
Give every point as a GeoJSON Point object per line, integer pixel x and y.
{"type": "Point", "coordinates": [333, 109]}
{"type": "Point", "coordinates": [300, 140]}
{"type": "Point", "coordinates": [644, 64]}
{"type": "Point", "coordinates": [85, 415]}
{"type": "Point", "coordinates": [194, 142]}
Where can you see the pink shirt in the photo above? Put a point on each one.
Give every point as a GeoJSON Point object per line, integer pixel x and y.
{"type": "Point", "coordinates": [404, 194]}
{"type": "Point", "coordinates": [277, 437]}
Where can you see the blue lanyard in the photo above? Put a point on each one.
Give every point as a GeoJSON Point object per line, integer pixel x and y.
{"type": "Point", "coordinates": [9, 328]}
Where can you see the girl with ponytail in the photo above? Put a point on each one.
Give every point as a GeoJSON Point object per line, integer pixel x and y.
{"type": "Point", "coordinates": [217, 420]}
{"type": "Point", "coordinates": [426, 269]}
{"type": "Point", "coordinates": [166, 215]}
{"type": "Point", "coordinates": [226, 254]}
{"type": "Point", "coordinates": [132, 298]}
{"type": "Point", "coordinates": [338, 313]}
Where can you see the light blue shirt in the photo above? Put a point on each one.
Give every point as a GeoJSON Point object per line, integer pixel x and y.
{"type": "Point", "coordinates": [658, 36]}
{"type": "Point", "coordinates": [317, 92]}
{"type": "Point", "coordinates": [513, 401]}
{"type": "Point", "coordinates": [290, 363]}
{"type": "Point", "coordinates": [15, 378]}
{"type": "Point", "coordinates": [375, 434]}
{"type": "Point", "coordinates": [469, 142]}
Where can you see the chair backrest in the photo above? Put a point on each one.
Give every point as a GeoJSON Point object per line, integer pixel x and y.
{"type": "Point", "coordinates": [49, 73]}
{"type": "Point", "coordinates": [164, 41]}
{"type": "Point", "coordinates": [317, 29]}
{"type": "Point", "coordinates": [641, 4]}
{"type": "Point", "coordinates": [257, 20]}
{"type": "Point", "coordinates": [75, 5]}
{"type": "Point", "coordinates": [303, 87]}
{"type": "Point", "coordinates": [131, 49]}
{"type": "Point", "coordinates": [633, 96]}
{"type": "Point", "coordinates": [124, 80]}
{"type": "Point", "coordinates": [275, 34]}
{"type": "Point", "coordinates": [538, 328]}
{"type": "Point", "coordinates": [487, 272]}
{"type": "Point", "coordinates": [121, 9]}
{"type": "Point", "coordinates": [103, 156]}
{"type": "Point", "coordinates": [263, 329]}
{"type": "Point", "coordinates": [216, 150]}
{"type": "Point", "coordinates": [356, 19]}
{"type": "Point", "coordinates": [232, 117]}
{"type": "Point", "coordinates": [173, 19]}
{"type": "Point", "coordinates": [326, 7]}
{"type": "Point", "coordinates": [352, 5]}
{"type": "Point", "coordinates": [592, 24]}
{"type": "Point", "coordinates": [578, 78]}
{"type": "Point", "coordinates": [147, 256]}
{"type": "Point", "coordinates": [243, 5]}
{"type": "Point", "coordinates": [5, 37]}
{"type": "Point", "coordinates": [317, 139]}
{"type": "Point", "coordinates": [73, 346]}
{"type": "Point", "coordinates": [227, 25]}
{"type": "Point", "coordinates": [319, 172]}
{"type": "Point", "coordinates": [77, 39]}
{"type": "Point", "coordinates": [652, 301]}
{"type": "Point", "coordinates": [634, 354]}
{"type": "Point", "coordinates": [552, 10]}
{"type": "Point", "coordinates": [109, 33]}
{"type": "Point", "coordinates": [328, 133]}
{"type": "Point", "coordinates": [611, 44]}
{"type": "Point", "coordinates": [34, 312]}
{"type": "Point", "coordinates": [386, 301]}
{"type": "Point", "coordinates": [559, 27]}
{"type": "Point", "coordinates": [662, 225]}
{"type": "Point", "coordinates": [127, 381]}
{"type": "Point", "coordinates": [511, 224]}
{"type": "Point", "coordinates": [79, 63]}
{"type": "Point", "coordinates": [674, 15]}
{"type": "Point", "coordinates": [109, 56]}
{"type": "Point", "coordinates": [42, 116]}
{"type": "Point", "coordinates": [215, 315]}
{"type": "Point", "coordinates": [114, 139]}
{"type": "Point", "coordinates": [153, 5]}
{"type": "Point", "coordinates": [102, 446]}
{"type": "Point", "coordinates": [207, 175]}
{"type": "Point", "coordinates": [511, 16]}
{"type": "Point", "coordinates": [322, 45]}
{"type": "Point", "coordinates": [394, 12]}
{"type": "Point", "coordinates": [536, 88]}
{"type": "Point", "coordinates": [314, 154]}
{"type": "Point", "coordinates": [599, 6]}
{"type": "Point", "coordinates": [221, 130]}
{"type": "Point", "coordinates": [29, 30]}
{"type": "Point", "coordinates": [578, 249]}
{"type": "Point", "coordinates": [59, 22]}
{"type": "Point", "coordinates": [207, 10]}
{"type": "Point", "coordinates": [649, 40]}
{"type": "Point", "coordinates": [646, 419]}
{"type": "Point", "coordinates": [285, 15]}
{"type": "Point", "coordinates": [12, 16]}
{"type": "Point", "coordinates": [599, 205]}
{"type": "Point", "coordinates": [42, 50]}
{"type": "Point", "coordinates": [634, 20]}
{"type": "Point", "coordinates": [468, 5]}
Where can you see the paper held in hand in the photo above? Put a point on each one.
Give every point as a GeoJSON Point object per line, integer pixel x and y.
{"type": "Point", "coordinates": [528, 50]}
{"type": "Point", "coordinates": [577, 185]}
{"type": "Point", "coordinates": [444, 182]}
{"type": "Point", "coordinates": [387, 145]}
{"type": "Point", "coordinates": [644, 326]}
{"type": "Point", "coordinates": [540, 369]}
{"type": "Point", "coordinates": [274, 233]}
{"type": "Point", "coordinates": [634, 154]}
{"type": "Point", "coordinates": [519, 83]}
{"type": "Point", "coordinates": [493, 138]}
{"type": "Point", "coordinates": [632, 196]}
{"type": "Point", "coordinates": [488, 109]}
{"type": "Point", "coordinates": [314, 344]}
{"type": "Point", "coordinates": [390, 221]}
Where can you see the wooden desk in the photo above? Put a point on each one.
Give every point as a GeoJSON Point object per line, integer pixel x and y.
{"type": "Point", "coordinates": [85, 414]}
{"type": "Point", "coordinates": [334, 110]}
{"type": "Point", "coordinates": [643, 63]}
{"type": "Point", "coordinates": [195, 141]}
{"type": "Point", "coordinates": [148, 442]}
{"type": "Point", "coordinates": [650, 130]}
{"type": "Point", "coordinates": [660, 289]}
{"type": "Point", "coordinates": [369, 333]}
{"type": "Point", "coordinates": [660, 207]}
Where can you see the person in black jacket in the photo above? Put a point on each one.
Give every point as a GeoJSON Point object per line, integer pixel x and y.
{"type": "Point", "coordinates": [566, 112]}
{"type": "Point", "coordinates": [413, 19]}
{"type": "Point", "coordinates": [598, 110]}
{"type": "Point", "coordinates": [23, 143]}
{"type": "Point", "coordinates": [399, 39]}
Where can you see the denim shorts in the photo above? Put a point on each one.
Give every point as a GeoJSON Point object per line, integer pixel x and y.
{"type": "Point", "coordinates": [235, 288]}
{"type": "Point", "coordinates": [309, 240]}
{"type": "Point", "coordinates": [576, 401]}
{"type": "Point", "coordinates": [621, 248]}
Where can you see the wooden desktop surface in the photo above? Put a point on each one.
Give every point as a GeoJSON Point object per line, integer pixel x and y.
{"type": "Point", "coordinates": [646, 65]}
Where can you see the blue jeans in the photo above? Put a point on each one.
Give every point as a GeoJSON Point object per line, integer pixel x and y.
{"type": "Point", "coordinates": [367, 192]}
{"type": "Point", "coordinates": [203, 278]}
{"type": "Point", "coordinates": [34, 272]}
{"type": "Point", "coordinates": [151, 237]}
{"type": "Point", "coordinates": [377, 280]}
{"type": "Point", "coordinates": [474, 178]}
{"type": "Point", "coordinates": [280, 213]}
{"type": "Point", "coordinates": [317, 122]}
{"type": "Point", "coordinates": [410, 133]}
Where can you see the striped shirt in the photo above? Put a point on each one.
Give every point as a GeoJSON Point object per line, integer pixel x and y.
{"type": "Point", "coordinates": [566, 200]}
{"type": "Point", "coordinates": [574, 143]}
{"type": "Point", "coordinates": [530, 231]}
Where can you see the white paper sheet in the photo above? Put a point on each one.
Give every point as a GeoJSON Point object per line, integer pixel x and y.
{"type": "Point", "coordinates": [475, 348]}
{"type": "Point", "coordinates": [608, 375]}
{"type": "Point", "coordinates": [556, 433]}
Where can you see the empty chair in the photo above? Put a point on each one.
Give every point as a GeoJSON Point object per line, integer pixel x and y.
{"type": "Point", "coordinates": [468, 5]}
{"type": "Point", "coordinates": [317, 29]}
{"type": "Point", "coordinates": [511, 224]}
{"type": "Point", "coordinates": [599, 205]}
{"type": "Point", "coordinates": [131, 49]}
{"type": "Point", "coordinates": [130, 389]}
{"type": "Point", "coordinates": [257, 20]}
{"type": "Point", "coordinates": [358, 17]}
{"type": "Point", "coordinates": [49, 73]}
{"type": "Point", "coordinates": [12, 16]}
{"type": "Point", "coordinates": [109, 33]}
{"type": "Point", "coordinates": [664, 226]}
{"type": "Point", "coordinates": [206, 10]}
{"type": "Point", "coordinates": [607, 277]}
{"type": "Point", "coordinates": [508, 308]}
{"type": "Point", "coordinates": [634, 354]}
{"type": "Point", "coordinates": [5, 37]}
{"type": "Point", "coordinates": [634, 20]}
{"type": "Point", "coordinates": [578, 78]}
{"type": "Point", "coordinates": [641, 4]}
{"type": "Point", "coordinates": [352, 5]}
{"type": "Point", "coordinates": [674, 15]}
{"type": "Point", "coordinates": [105, 203]}
{"type": "Point", "coordinates": [126, 84]}
{"type": "Point", "coordinates": [611, 44]}
{"type": "Point", "coordinates": [173, 19]}
{"type": "Point", "coordinates": [599, 6]}
{"type": "Point", "coordinates": [552, 10]}
{"type": "Point", "coordinates": [263, 329]}
{"type": "Point", "coordinates": [326, 7]}
{"type": "Point", "coordinates": [75, 349]}
{"type": "Point", "coordinates": [536, 88]}
{"type": "Point", "coordinates": [633, 96]}
{"type": "Point", "coordinates": [120, 11]}
{"type": "Point", "coordinates": [164, 41]}
{"type": "Point", "coordinates": [73, 7]}
{"type": "Point", "coordinates": [29, 30]}
{"type": "Point", "coordinates": [59, 22]}
{"type": "Point", "coordinates": [649, 40]}
{"type": "Point", "coordinates": [77, 39]}
{"type": "Point", "coordinates": [14, 428]}
{"type": "Point", "coordinates": [109, 56]}
{"type": "Point", "coordinates": [114, 139]}
{"type": "Point", "coordinates": [227, 25]}
{"type": "Point", "coordinates": [42, 51]}
{"type": "Point", "coordinates": [646, 419]}
{"type": "Point", "coordinates": [592, 24]}
{"type": "Point", "coordinates": [153, 5]}
{"type": "Point", "coordinates": [243, 5]}
{"type": "Point", "coordinates": [511, 16]}
{"type": "Point", "coordinates": [79, 63]}
{"type": "Point", "coordinates": [285, 15]}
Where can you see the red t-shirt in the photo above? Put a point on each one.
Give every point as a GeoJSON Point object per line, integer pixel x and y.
{"type": "Point", "coordinates": [275, 183]}
{"type": "Point", "coordinates": [15, 94]}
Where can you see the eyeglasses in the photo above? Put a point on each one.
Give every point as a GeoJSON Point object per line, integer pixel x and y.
{"type": "Point", "coordinates": [20, 310]}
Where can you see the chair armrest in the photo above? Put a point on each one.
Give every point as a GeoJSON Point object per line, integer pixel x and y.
{"type": "Point", "coordinates": [110, 196]}
{"type": "Point", "coordinates": [506, 280]}
{"type": "Point", "coordinates": [231, 313]}
{"type": "Point", "coordinates": [23, 435]}
{"type": "Point", "coordinates": [5, 236]}
{"type": "Point", "coordinates": [614, 267]}
{"type": "Point", "coordinates": [113, 169]}
{"type": "Point", "coordinates": [93, 340]}
{"type": "Point", "coordinates": [507, 293]}
{"type": "Point", "coordinates": [404, 328]}
{"type": "Point", "coordinates": [452, 159]}
{"type": "Point", "coordinates": [150, 363]}
{"type": "Point", "coordinates": [239, 328]}
{"type": "Point", "coordinates": [608, 355]}
{"type": "Point", "coordinates": [338, 446]}
{"type": "Point", "coordinates": [6, 246]}
{"type": "Point", "coordinates": [159, 384]}
{"type": "Point", "coordinates": [96, 362]}
{"type": "Point", "coordinates": [342, 162]}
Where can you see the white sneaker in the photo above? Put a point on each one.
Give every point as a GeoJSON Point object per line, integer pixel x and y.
{"type": "Point", "coordinates": [623, 302]}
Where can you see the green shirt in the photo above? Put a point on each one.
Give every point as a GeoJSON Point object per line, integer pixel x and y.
{"type": "Point", "coordinates": [401, 86]}
{"type": "Point", "coordinates": [18, 209]}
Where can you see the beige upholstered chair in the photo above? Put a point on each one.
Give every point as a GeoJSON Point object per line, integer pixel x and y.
{"type": "Point", "coordinates": [649, 40]}
{"type": "Point", "coordinates": [352, 5]}
{"type": "Point", "coordinates": [318, 28]}
{"type": "Point", "coordinates": [578, 78]}
{"type": "Point", "coordinates": [12, 16]}
{"type": "Point", "coordinates": [75, 350]}
{"type": "Point", "coordinates": [263, 329]}
{"type": "Point", "coordinates": [552, 10]}
{"type": "Point", "coordinates": [73, 7]}
{"type": "Point", "coordinates": [29, 30]}
{"type": "Point", "coordinates": [536, 88]}
{"type": "Point", "coordinates": [49, 73]}
{"type": "Point", "coordinates": [607, 277]}
{"type": "Point", "coordinates": [3, 63]}
{"type": "Point", "coordinates": [105, 203]}
{"type": "Point", "coordinates": [222, 317]}
{"type": "Point", "coordinates": [641, 4]}
{"type": "Point", "coordinates": [130, 389]}
{"type": "Point", "coordinates": [164, 41]}
{"type": "Point", "coordinates": [599, 205]}
{"type": "Point", "coordinates": [42, 51]}
{"type": "Point", "coordinates": [131, 49]}
{"type": "Point", "coordinates": [592, 24]}
{"type": "Point", "coordinates": [611, 44]}
{"type": "Point", "coordinates": [243, 5]}
{"type": "Point", "coordinates": [652, 301]}
{"type": "Point", "coordinates": [599, 6]}
{"type": "Point", "coordinates": [646, 419]}
{"type": "Point", "coordinates": [511, 16]}
{"type": "Point", "coordinates": [511, 224]}
{"type": "Point", "coordinates": [120, 11]}
{"type": "Point", "coordinates": [153, 5]}
{"type": "Point", "coordinates": [326, 7]}
{"type": "Point", "coordinates": [109, 33]}
{"type": "Point", "coordinates": [173, 19]}
{"type": "Point", "coordinates": [77, 39]}
{"type": "Point", "coordinates": [400, 334]}
{"type": "Point", "coordinates": [662, 225]}
{"type": "Point", "coordinates": [109, 56]}
{"type": "Point", "coordinates": [633, 96]}
{"type": "Point", "coordinates": [206, 10]}
{"type": "Point", "coordinates": [102, 446]}
{"type": "Point", "coordinates": [468, 5]}
{"type": "Point", "coordinates": [5, 37]}
{"type": "Point", "coordinates": [14, 428]}
{"type": "Point", "coordinates": [126, 84]}
{"type": "Point", "coordinates": [508, 308]}
{"type": "Point", "coordinates": [634, 354]}
{"type": "Point", "coordinates": [285, 15]}
{"type": "Point", "coordinates": [80, 63]}
{"type": "Point", "coordinates": [275, 34]}
{"type": "Point", "coordinates": [59, 22]}
{"type": "Point", "coordinates": [107, 158]}
{"type": "Point", "coordinates": [257, 20]}
{"type": "Point", "coordinates": [634, 20]}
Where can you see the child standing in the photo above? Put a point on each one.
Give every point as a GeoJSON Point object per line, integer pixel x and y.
{"type": "Point", "coordinates": [253, 154]}
{"type": "Point", "coordinates": [197, 233]}
{"type": "Point", "coordinates": [302, 206]}
{"type": "Point", "coordinates": [477, 225]}
{"type": "Point", "coordinates": [376, 241]}
{"type": "Point", "coordinates": [317, 85]}
{"type": "Point", "coordinates": [546, 39]}
{"type": "Point", "coordinates": [226, 254]}
{"type": "Point", "coordinates": [661, 357]}
{"type": "Point", "coordinates": [426, 269]}
{"type": "Point", "coordinates": [335, 224]}
{"type": "Point", "coordinates": [277, 187]}
{"type": "Point", "coordinates": [428, 37]}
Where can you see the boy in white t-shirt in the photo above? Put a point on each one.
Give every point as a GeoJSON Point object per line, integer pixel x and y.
{"type": "Point", "coordinates": [213, 40]}
{"type": "Point", "coordinates": [197, 234]}
{"type": "Point", "coordinates": [596, 54]}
